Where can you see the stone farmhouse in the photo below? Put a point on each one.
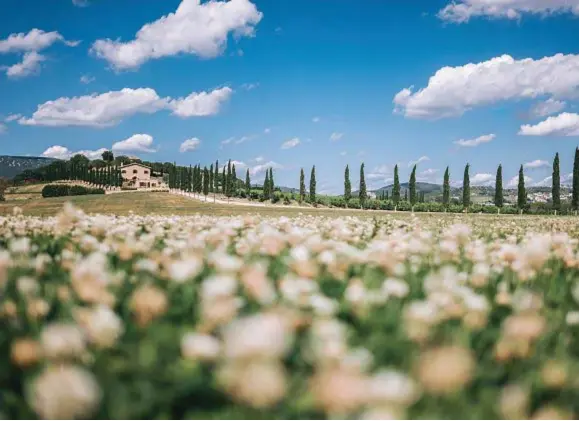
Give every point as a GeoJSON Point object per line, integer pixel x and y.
{"type": "Point", "coordinates": [140, 176]}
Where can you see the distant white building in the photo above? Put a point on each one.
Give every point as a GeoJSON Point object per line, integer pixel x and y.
{"type": "Point", "coordinates": [371, 195]}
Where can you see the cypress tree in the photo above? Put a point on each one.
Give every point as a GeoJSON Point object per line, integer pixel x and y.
{"type": "Point", "coordinates": [266, 185]}
{"type": "Point", "coordinates": [396, 187]}
{"type": "Point", "coordinates": [271, 184]}
{"type": "Point", "coordinates": [466, 188]}
{"type": "Point", "coordinates": [556, 184]}
{"type": "Point", "coordinates": [406, 195]}
{"type": "Point", "coordinates": [313, 185]}
{"type": "Point", "coordinates": [192, 175]}
{"type": "Point", "coordinates": [302, 186]}
{"type": "Point", "coordinates": [499, 201]}
{"type": "Point", "coordinates": [521, 192]}
{"type": "Point", "coordinates": [216, 177]}
{"type": "Point", "coordinates": [387, 193]}
{"type": "Point", "coordinates": [446, 188]}
{"type": "Point", "coordinates": [347, 185]}
{"type": "Point", "coordinates": [412, 186]}
{"type": "Point", "coordinates": [228, 180]}
{"type": "Point", "coordinates": [362, 192]}
{"type": "Point", "coordinates": [233, 181]}
{"type": "Point", "coordinates": [223, 181]}
{"type": "Point", "coordinates": [247, 184]}
{"type": "Point", "coordinates": [575, 198]}
{"type": "Point", "coordinates": [211, 185]}
{"type": "Point", "coordinates": [205, 182]}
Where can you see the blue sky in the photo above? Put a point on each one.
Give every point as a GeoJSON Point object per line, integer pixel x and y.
{"type": "Point", "coordinates": [293, 83]}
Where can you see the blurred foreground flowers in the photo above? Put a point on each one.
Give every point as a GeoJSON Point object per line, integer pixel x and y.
{"type": "Point", "coordinates": [305, 317]}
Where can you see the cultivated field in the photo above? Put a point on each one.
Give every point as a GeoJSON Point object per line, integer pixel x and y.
{"type": "Point", "coordinates": [274, 317]}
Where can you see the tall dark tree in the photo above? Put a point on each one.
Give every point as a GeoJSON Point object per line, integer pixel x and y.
{"type": "Point", "coordinates": [362, 193]}
{"type": "Point", "coordinates": [233, 181]}
{"type": "Point", "coordinates": [499, 201]}
{"type": "Point", "coordinates": [216, 177]}
{"type": "Point", "coordinates": [347, 185]}
{"type": "Point", "coordinates": [302, 186]}
{"type": "Point", "coordinates": [396, 187]}
{"type": "Point", "coordinates": [446, 188]}
{"type": "Point", "coordinates": [266, 186]}
{"type": "Point", "coordinates": [247, 184]}
{"type": "Point", "coordinates": [575, 198]}
{"type": "Point", "coordinates": [228, 183]}
{"type": "Point", "coordinates": [556, 191]}
{"type": "Point", "coordinates": [108, 156]}
{"type": "Point", "coordinates": [521, 192]}
{"type": "Point", "coordinates": [205, 182]}
{"type": "Point", "coordinates": [466, 188]}
{"type": "Point", "coordinates": [406, 195]}
{"type": "Point", "coordinates": [210, 177]}
{"type": "Point", "coordinates": [223, 182]}
{"type": "Point", "coordinates": [313, 185]}
{"type": "Point", "coordinates": [271, 184]}
{"type": "Point", "coordinates": [412, 186]}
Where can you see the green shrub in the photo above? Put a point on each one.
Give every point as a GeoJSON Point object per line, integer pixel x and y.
{"type": "Point", "coordinates": [60, 190]}
{"type": "Point", "coordinates": [354, 204]}
{"type": "Point", "coordinates": [337, 202]}
{"type": "Point", "coordinates": [404, 206]}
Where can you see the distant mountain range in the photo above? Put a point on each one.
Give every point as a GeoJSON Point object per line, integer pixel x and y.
{"type": "Point", "coordinates": [11, 166]}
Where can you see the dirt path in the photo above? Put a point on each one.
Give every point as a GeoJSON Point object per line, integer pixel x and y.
{"type": "Point", "coordinates": [211, 199]}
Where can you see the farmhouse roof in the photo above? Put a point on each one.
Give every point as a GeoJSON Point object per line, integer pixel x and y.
{"type": "Point", "coordinates": [135, 163]}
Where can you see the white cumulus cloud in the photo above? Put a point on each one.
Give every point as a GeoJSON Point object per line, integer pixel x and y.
{"type": "Point", "coordinates": [292, 143]}
{"type": "Point", "coordinates": [200, 104]}
{"type": "Point", "coordinates": [514, 182]}
{"type": "Point", "coordinates": [29, 65]}
{"type": "Point", "coordinates": [135, 143]}
{"type": "Point", "coordinates": [548, 107]}
{"type": "Point", "coordinates": [195, 28]}
{"type": "Point", "coordinates": [61, 152]}
{"type": "Point", "coordinates": [481, 179]}
{"type": "Point", "coordinates": [260, 168]}
{"type": "Point", "coordinates": [462, 11]}
{"type": "Point", "coordinates": [452, 91]}
{"type": "Point", "coordinates": [537, 163]}
{"type": "Point", "coordinates": [110, 108]}
{"type": "Point", "coordinates": [189, 145]}
{"type": "Point", "coordinates": [471, 143]}
{"type": "Point", "coordinates": [35, 40]}
{"type": "Point", "coordinates": [565, 124]}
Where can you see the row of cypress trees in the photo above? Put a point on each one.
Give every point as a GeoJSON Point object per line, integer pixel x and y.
{"type": "Point", "coordinates": [466, 194]}
{"type": "Point", "coordinates": [109, 175]}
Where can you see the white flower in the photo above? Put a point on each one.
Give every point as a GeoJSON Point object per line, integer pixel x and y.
{"type": "Point", "coordinates": [572, 318]}
{"type": "Point", "coordinates": [202, 347]}
{"type": "Point", "coordinates": [103, 326]}
{"type": "Point", "coordinates": [389, 386]}
{"type": "Point", "coordinates": [218, 286]}
{"type": "Point", "coordinates": [27, 286]}
{"type": "Point", "coordinates": [184, 270]}
{"type": "Point", "coordinates": [323, 305]}
{"type": "Point", "coordinates": [258, 336]}
{"type": "Point", "coordinates": [60, 340]}
{"type": "Point", "coordinates": [395, 288]}
{"type": "Point", "coordinates": [65, 392]}
{"type": "Point", "coordinates": [20, 245]}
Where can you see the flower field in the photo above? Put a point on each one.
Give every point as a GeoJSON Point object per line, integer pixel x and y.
{"type": "Point", "coordinates": [309, 317]}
